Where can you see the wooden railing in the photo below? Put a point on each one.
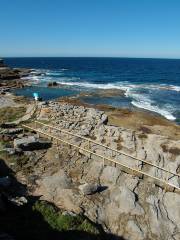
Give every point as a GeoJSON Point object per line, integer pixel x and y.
{"type": "Point", "coordinates": [163, 182]}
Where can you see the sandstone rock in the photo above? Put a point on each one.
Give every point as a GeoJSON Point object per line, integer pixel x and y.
{"type": "Point", "coordinates": [131, 207]}
{"type": "Point", "coordinates": [51, 186]}
{"type": "Point", "coordinates": [172, 205]}
{"type": "Point", "coordinates": [133, 232]}
{"type": "Point", "coordinates": [109, 175]}
{"type": "Point", "coordinates": [18, 201]}
{"type": "Point", "coordinates": [104, 119]}
{"type": "Point", "coordinates": [11, 151]}
{"type": "Point", "coordinates": [8, 125]}
{"type": "Point", "coordinates": [158, 218]}
{"type": "Point", "coordinates": [69, 200]}
{"type": "Point", "coordinates": [88, 188]}
{"type": "Point", "coordinates": [125, 201]}
{"type": "Point", "coordinates": [12, 131]}
{"type": "Point", "coordinates": [31, 143]}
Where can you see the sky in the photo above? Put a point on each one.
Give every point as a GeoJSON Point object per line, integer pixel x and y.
{"type": "Point", "coordinates": [99, 28]}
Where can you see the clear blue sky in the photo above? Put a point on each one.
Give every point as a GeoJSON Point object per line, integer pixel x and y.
{"type": "Point", "coordinates": [137, 28]}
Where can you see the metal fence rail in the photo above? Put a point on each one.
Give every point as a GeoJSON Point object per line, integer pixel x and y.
{"type": "Point", "coordinates": [164, 182]}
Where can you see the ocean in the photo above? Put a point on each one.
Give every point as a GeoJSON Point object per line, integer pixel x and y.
{"type": "Point", "coordinates": [149, 84]}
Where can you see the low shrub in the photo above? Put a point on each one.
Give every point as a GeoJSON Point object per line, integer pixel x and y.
{"type": "Point", "coordinates": [63, 222]}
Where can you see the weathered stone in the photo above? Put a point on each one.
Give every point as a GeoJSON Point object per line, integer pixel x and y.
{"type": "Point", "coordinates": [8, 125]}
{"type": "Point", "coordinates": [88, 188]}
{"type": "Point", "coordinates": [18, 201]}
{"type": "Point", "coordinates": [12, 131]}
{"type": "Point", "coordinates": [31, 143]}
{"type": "Point", "coordinates": [104, 119]}
{"type": "Point", "coordinates": [133, 232]}
{"type": "Point", "coordinates": [109, 175]}
{"type": "Point", "coordinates": [172, 205]}
{"type": "Point", "coordinates": [125, 201]}
{"type": "Point", "coordinates": [131, 207]}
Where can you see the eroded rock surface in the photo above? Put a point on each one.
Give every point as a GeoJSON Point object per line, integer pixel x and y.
{"type": "Point", "coordinates": [127, 205]}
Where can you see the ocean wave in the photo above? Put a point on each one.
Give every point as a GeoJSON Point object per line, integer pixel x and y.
{"type": "Point", "coordinates": [144, 102]}
{"type": "Point", "coordinates": [175, 88]}
{"type": "Point", "coordinates": [31, 78]}
{"type": "Point", "coordinates": [53, 73]}
{"type": "Point", "coordinates": [64, 69]}
{"type": "Point", "coordinates": [137, 93]}
{"type": "Point", "coordinates": [94, 85]}
{"type": "Point", "coordinates": [119, 85]}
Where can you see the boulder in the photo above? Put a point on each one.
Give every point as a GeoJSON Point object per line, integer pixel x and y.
{"type": "Point", "coordinates": [10, 151]}
{"type": "Point", "coordinates": [31, 143]}
{"type": "Point", "coordinates": [104, 119]}
{"type": "Point", "coordinates": [12, 131]}
{"type": "Point", "coordinates": [89, 188]}
{"type": "Point", "coordinates": [8, 125]}
{"type": "Point", "coordinates": [51, 187]}
{"type": "Point", "coordinates": [57, 180]}
{"type": "Point", "coordinates": [109, 175]}
{"type": "Point", "coordinates": [52, 84]}
{"type": "Point", "coordinates": [18, 201]}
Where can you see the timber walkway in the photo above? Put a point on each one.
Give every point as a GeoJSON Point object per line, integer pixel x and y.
{"type": "Point", "coordinates": [159, 175]}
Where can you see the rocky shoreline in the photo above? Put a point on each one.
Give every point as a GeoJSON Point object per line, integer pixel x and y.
{"type": "Point", "coordinates": [12, 77]}
{"type": "Point", "coordinates": [122, 203]}
{"type": "Point", "coordinates": [126, 206]}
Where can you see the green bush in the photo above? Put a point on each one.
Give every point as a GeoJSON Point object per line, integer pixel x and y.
{"type": "Point", "coordinates": [61, 222]}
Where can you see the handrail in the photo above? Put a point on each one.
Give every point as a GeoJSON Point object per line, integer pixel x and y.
{"type": "Point", "coordinates": [112, 149]}
{"type": "Point", "coordinates": [103, 157]}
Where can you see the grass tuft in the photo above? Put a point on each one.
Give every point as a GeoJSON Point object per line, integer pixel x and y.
{"type": "Point", "coordinates": [63, 222]}
{"type": "Point", "coordinates": [9, 114]}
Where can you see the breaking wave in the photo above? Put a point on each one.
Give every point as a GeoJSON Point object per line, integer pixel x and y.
{"type": "Point", "coordinates": [133, 92]}
{"type": "Point", "coordinates": [144, 102]}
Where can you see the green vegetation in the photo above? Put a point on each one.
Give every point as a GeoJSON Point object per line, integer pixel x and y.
{"type": "Point", "coordinates": [41, 220]}
{"type": "Point", "coordinates": [63, 222]}
{"type": "Point", "coordinates": [8, 114]}
{"type": "Point", "coordinates": [2, 145]}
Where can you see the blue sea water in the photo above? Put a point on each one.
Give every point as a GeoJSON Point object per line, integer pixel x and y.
{"type": "Point", "coordinates": [150, 84]}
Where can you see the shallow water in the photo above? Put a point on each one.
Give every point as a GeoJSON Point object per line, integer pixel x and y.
{"type": "Point", "coordinates": [44, 92]}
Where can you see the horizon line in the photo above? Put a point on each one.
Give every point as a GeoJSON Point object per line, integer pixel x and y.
{"type": "Point", "coordinates": [166, 58]}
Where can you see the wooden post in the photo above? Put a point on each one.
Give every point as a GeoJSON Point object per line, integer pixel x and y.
{"type": "Point", "coordinates": [166, 179]}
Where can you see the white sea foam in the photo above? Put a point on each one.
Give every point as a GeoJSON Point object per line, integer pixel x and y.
{"type": "Point", "coordinates": [31, 78]}
{"type": "Point", "coordinates": [118, 85]}
{"type": "Point", "coordinates": [140, 100]}
{"type": "Point", "coordinates": [175, 88]}
{"type": "Point", "coordinates": [54, 73]}
{"type": "Point", "coordinates": [94, 85]}
{"type": "Point", "coordinates": [64, 69]}
{"type": "Point", "coordinates": [144, 102]}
